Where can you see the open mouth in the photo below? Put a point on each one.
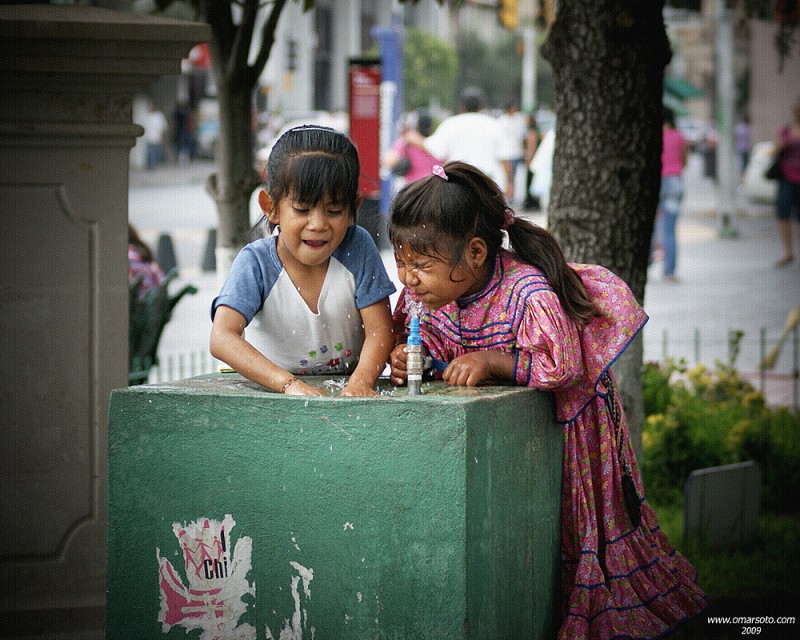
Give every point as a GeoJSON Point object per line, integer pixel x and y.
{"type": "Point", "coordinates": [315, 244]}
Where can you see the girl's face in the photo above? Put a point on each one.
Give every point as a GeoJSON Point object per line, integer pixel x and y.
{"type": "Point", "coordinates": [309, 234]}
{"type": "Point", "coordinates": [437, 281]}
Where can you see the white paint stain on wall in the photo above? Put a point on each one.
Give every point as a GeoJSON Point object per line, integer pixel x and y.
{"type": "Point", "coordinates": [293, 629]}
{"type": "Point", "coordinates": [217, 579]}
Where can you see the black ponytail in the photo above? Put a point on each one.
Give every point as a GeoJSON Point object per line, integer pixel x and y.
{"type": "Point", "coordinates": [538, 247]}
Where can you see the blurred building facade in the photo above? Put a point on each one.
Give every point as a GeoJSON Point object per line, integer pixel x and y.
{"type": "Point", "coordinates": [308, 67]}
{"type": "Point", "coordinates": [765, 87]}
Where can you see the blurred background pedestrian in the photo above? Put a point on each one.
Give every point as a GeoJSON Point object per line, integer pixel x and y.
{"type": "Point", "coordinates": [515, 127]}
{"type": "Point", "coordinates": [532, 138]}
{"type": "Point", "coordinates": [787, 203]}
{"type": "Point", "coordinates": [142, 263]}
{"type": "Point", "coordinates": [673, 160]}
{"type": "Point", "coordinates": [410, 161]}
{"type": "Point", "coordinates": [541, 167]}
{"type": "Point", "coordinates": [743, 141]}
{"type": "Point", "coordinates": [185, 143]}
{"type": "Point", "coordinates": [155, 130]}
{"type": "Point", "coordinates": [474, 137]}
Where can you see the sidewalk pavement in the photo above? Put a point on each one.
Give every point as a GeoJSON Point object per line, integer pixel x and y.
{"type": "Point", "coordinates": [725, 284]}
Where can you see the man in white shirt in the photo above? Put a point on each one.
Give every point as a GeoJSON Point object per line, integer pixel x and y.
{"type": "Point", "coordinates": [476, 138]}
{"type": "Point", "coordinates": [515, 127]}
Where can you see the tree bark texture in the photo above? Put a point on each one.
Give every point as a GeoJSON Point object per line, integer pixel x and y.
{"type": "Point", "coordinates": [608, 58]}
{"type": "Point", "coordinates": [236, 77]}
{"type": "Point", "coordinates": [236, 178]}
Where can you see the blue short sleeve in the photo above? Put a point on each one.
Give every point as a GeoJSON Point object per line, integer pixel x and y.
{"type": "Point", "coordinates": [253, 274]}
{"type": "Point", "coordinates": [361, 257]}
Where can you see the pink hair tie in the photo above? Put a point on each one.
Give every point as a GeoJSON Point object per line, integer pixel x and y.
{"type": "Point", "coordinates": [509, 219]}
{"type": "Point", "coordinates": [437, 170]}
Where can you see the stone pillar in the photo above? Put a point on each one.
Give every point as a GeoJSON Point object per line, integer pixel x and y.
{"type": "Point", "coordinates": [69, 75]}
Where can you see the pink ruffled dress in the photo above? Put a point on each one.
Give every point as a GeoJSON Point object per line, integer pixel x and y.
{"type": "Point", "coordinates": [619, 580]}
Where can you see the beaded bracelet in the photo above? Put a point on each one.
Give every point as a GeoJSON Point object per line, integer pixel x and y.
{"type": "Point", "coordinates": [289, 382]}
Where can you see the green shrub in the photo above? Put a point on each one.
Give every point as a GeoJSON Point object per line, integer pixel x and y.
{"type": "Point", "coordinates": [697, 417]}
{"type": "Point", "coordinates": [774, 442]}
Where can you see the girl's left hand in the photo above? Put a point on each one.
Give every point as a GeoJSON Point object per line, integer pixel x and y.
{"type": "Point", "coordinates": [471, 369]}
{"type": "Point", "coordinates": [398, 360]}
{"type": "Point", "coordinates": [356, 389]}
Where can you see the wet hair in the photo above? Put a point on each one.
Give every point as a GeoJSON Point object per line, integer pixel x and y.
{"type": "Point", "coordinates": [310, 163]}
{"type": "Point", "coordinates": [438, 217]}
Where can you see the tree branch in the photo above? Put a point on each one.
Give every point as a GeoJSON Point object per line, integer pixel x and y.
{"type": "Point", "coordinates": [219, 18]}
{"type": "Point", "coordinates": [237, 63]}
{"type": "Point", "coordinates": [268, 36]}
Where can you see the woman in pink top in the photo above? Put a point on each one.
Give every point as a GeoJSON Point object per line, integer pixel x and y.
{"type": "Point", "coordinates": [787, 204]}
{"type": "Point", "coordinates": [673, 160]}
{"type": "Point", "coordinates": [421, 162]}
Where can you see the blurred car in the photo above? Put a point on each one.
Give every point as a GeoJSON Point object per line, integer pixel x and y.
{"type": "Point", "coordinates": [756, 187]}
{"type": "Point", "coordinates": [338, 120]}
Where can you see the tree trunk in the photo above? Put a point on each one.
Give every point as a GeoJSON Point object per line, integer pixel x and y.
{"type": "Point", "coordinates": [608, 58]}
{"type": "Point", "coordinates": [236, 178]}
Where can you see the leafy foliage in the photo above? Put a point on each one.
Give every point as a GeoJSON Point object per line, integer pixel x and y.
{"type": "Point", "coordinates": [699, 417]}
{"type": "Point", "coordinates": [430, 67]}
{"type": "Point", "coordinates": [496, 69]}
{"type": "Point", "coordinates": [148, 315]}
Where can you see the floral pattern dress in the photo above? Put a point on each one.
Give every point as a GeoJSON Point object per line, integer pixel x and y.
{"type": "Point", "coordinates": [618, 580]}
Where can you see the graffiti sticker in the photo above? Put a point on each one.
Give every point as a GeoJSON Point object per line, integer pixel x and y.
{"type": "Point", "coordinates": [217, 581]}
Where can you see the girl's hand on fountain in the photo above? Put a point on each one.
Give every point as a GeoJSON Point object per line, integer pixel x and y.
{"type": "Point", "coordinates": [471, 369]}
{"type": "Point", "coordinates": [358, 389]}
{"type": "Point", "coordinates": [300, 388]}
{"type": "Point", "coordinates": [398, 359]}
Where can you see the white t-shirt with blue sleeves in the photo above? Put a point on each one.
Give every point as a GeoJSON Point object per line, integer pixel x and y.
{"type": "Point", "coordinates": [279, 322]}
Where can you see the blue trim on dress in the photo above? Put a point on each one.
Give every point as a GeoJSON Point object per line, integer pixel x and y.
{"type": "Point", "coordinates": [516, 318]}
{"type": "Point", "coordinates": [602, 373]}
{"type": "Point", "coordinates": [497, 277]}
{"type": "Point", "coordinates": [618, 576]}
{"type": "Point", "coordinates": [629, 532]}
{"type": "Point", "coordinates": [631, 607]}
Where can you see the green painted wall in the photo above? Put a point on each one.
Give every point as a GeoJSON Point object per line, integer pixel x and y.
{"type": "Point", "coordinates": [413, 513]}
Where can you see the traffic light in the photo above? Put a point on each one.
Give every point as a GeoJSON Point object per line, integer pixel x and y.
{"type": "Point", "coordinates": [508, 14]}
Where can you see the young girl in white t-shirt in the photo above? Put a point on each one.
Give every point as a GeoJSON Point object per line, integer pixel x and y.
{"type": "Point", "coordinates": [314, 294]}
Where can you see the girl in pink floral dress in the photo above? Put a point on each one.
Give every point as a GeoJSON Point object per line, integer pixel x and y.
{"type": "Point", "coordinates": [529, 317]}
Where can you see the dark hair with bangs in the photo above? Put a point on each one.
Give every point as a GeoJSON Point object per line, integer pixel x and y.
{"type": "Point", "coordinates": [438, 217]}
{"type": "Point", "coordinates": [310, 163]}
